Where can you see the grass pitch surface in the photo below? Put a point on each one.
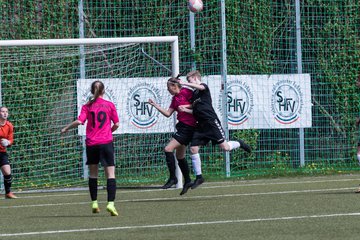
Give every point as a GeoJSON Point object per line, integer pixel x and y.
{"type": "Point", "coordinates": [281, 209]}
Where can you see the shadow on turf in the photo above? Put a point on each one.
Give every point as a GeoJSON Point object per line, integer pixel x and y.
{"type": "Point", "coordinates": [342, 192]}
{"type": "Point", "coordinates": [139, 187]}
{"type": "Point", "coordinates": [71, 216]}
{"type": "Point", "coordinates": [180, 199]}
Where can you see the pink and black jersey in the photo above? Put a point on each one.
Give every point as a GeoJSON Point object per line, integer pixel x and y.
{"type": "Point", "coordinates": [183, 98]}
{"type": "Point", "coordinates": [99, 116]}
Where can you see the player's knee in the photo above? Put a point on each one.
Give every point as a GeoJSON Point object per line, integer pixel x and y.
{"type": "Point", "coordinates": [194, 150]}
{"type": "Point", "coordinates": [168, 149]}
{"type": "Point", "coordinates": [6, 170]}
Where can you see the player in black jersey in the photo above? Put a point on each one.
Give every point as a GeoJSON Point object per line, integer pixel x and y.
{"type": "Point", "coordinates": [208, 125]}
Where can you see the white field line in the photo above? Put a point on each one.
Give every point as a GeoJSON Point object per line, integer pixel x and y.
{"type": "Point", "coordinates": [186, 224]}
{"type": "Point", "coordinates": [183, 197]}
{"type": "Point", "coordinates": [275, 183]}
{"type": "Point", "coordinates": [207, 185]}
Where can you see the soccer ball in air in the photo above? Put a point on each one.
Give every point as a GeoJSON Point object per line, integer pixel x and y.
{"type": "Point", "coordinates": [195, 5]}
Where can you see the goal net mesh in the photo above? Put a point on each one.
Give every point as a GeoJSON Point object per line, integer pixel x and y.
{"type": "Point", "coordinates": [39, 85]}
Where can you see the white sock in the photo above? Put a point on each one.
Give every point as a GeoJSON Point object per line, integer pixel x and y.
{"type": "Point", "coordinates": [358, 158]}
{"type": "Point", "coordinates": [196, 163]}
{"type": "Point", "coordinates": [233, 145]}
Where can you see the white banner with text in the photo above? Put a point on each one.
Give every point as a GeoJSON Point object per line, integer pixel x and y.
{"type": "Point", "coordinates": [253, 101]}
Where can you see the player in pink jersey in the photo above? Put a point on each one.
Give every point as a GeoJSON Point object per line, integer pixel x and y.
{"type": "Point", "coordinates": [99, 114]}
{"type": "Point", "coordinates": [183, 135]}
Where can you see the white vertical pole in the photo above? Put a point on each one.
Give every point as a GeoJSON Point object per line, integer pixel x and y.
{"type": "Point", "coordinates": [299, 67]}
{"type": "Point", "coordinates": [224, 83]}
{"type": "Point", "coordinates": [175, 62]}
{"type": "Point", "coordinates": [192, 37]}
{"type": "Point", "coordinates": [175, 58]}
{"type": "Point", "coordinates": [82, 76]}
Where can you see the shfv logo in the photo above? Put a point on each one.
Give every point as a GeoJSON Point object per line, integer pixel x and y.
{"type": "Point", "coordinates": [286, 102]}
{"type": "Point", "coordinates": [142, 114]}
{"type": "Point", "coordinates": [240, 102]}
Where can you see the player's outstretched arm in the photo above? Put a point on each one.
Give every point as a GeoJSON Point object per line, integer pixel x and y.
{"type": "Point", "coordinates": [166, 113]}
{"type": "Point", "coordinates": [193, 85]}
{"type": "Point", "coordinates": [74, 124]}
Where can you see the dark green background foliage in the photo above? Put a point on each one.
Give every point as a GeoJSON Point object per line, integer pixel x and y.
{"type": "Point", "coordinates": [261, 39]}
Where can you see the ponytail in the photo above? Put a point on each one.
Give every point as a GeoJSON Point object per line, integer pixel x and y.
{"type": "Point", "coordinates": [97, 90]}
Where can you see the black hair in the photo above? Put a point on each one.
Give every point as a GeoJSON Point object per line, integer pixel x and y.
{"type": "Point", "coordinates": [174, 81]}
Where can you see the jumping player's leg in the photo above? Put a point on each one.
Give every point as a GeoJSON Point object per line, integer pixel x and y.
{"type": "Point", "coordinates": [216, 133]}
{"type": "Point", "coordinates": [170, 162]}
{"type": "Point", "coordinates": [228, 146]}
{"type": "Point", "coordinates": [199, 139]}
{"type": "Point", "coordinates": [195, 159]}
{"type": "Point", "coordinates": [231, 145]}
{"type": "Point", "coordinates": [184, 167]}
{"type": "Point", "coordinates": [196, 162]}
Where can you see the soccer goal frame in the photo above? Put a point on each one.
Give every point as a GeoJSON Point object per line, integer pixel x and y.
{"type": "Point", "coordinates": [81, 42]}
{"type": "Point", "coordinates": [173, 40]}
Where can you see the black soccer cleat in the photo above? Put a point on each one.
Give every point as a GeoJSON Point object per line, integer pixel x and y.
{"type": "Point", "coordinates": [170, 183]}
{"type": "Point", "coordinates": [186, 187]}
{"type": "Point", "coordinates": [197, 182]}
{"type": "Point", "coordinates": [244, 146]}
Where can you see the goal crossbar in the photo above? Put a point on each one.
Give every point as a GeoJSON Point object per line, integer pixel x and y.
{"type": "Point", "coordinates": [87, 41]}
{"type": "Point", "coordinates": [173, 40]}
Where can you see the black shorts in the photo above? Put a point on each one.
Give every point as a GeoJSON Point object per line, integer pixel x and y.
{"type": "Point", "coordinates": [206, 131]}
{"type": "Point", "coordinates": [4, 159]}
{"type": "Point", "coordinates": [103, 153]}
{"type": "Point", "coordinates": [184, 133]}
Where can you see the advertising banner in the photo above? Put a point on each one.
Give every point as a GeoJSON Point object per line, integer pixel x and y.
{"type": "Point", "coordinates": [252, 101]}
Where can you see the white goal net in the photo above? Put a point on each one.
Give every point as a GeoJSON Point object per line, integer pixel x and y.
{"type": "Point", "coordinates": [43, 84]}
